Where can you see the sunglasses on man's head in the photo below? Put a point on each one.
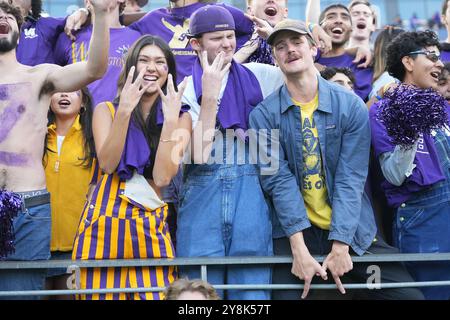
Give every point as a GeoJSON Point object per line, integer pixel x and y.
{"type": "Point", "coordinates": [431, 55]}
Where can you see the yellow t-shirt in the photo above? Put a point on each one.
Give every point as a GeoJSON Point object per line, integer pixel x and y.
{"type": "Point", "coordinates": [314, 189]}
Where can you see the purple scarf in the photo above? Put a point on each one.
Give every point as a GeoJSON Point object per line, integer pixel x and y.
{"type": "Point", "coordinates": [136, 151]}
{"type": "Point", "coordinates": [242, 93]}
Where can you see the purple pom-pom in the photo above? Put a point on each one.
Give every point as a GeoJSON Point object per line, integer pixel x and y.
{"type": "Point", "coordinates": [408, 111]}
{"type": "Point", "coordinates": [10, 205]}
{"type": "Point", "coordinates": [263, 54]}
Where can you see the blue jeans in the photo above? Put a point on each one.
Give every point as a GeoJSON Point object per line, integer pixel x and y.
{"type": "Point", "coordinates": [223, 213]}
{"type": "Point", "coordinates": [422, 225]}
{"type": "Point", "coordinates": [32, 229]}
{"type": "Point", "coordinates": [59, 255]}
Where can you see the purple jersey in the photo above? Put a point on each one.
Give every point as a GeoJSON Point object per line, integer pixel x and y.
{"type": "Point", "coordinates": [37, 40]}
{"type": "Point", "coordinates": [363, 76]}
{"type": "Point", "coordinates": [121, 39]}
{"type": "Point", "coordinates": [172, 25]}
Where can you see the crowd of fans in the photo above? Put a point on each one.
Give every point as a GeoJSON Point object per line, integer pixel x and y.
{"type": "Point", "coordinates": [132, 135]}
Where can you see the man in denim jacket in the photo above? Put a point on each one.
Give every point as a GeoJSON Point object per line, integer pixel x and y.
{"type": "Point", "coordinates": [318, 188]}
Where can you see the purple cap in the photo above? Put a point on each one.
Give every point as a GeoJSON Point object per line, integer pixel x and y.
{"type": "Point", "coordinates": [210, 18]}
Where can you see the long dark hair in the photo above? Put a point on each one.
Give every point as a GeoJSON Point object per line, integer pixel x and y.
{"type": "Point", "coordinates": [380, 53]}
{"type": "Point", "coordinates": [86, 113]}
{"type": "Point", "coordinates": [149, 127]}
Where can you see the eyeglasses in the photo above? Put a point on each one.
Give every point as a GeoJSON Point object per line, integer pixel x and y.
{"type": "Point", "coordinates": [431, 55]}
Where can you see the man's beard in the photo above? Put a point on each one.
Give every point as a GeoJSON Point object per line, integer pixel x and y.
{"type": "Point", "coordinates": [7, 45]}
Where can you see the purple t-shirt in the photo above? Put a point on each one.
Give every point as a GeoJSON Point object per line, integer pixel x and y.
{"type": "Point", "coordinates": [173, 24]}
{"type": "Point", "coordinates": [363, 76]}
{"type": "Point", "coordinates": [121, 39]}
{"type": "Point", "coordinates": [37, 40]}
{"type": "Point", "coordinates": [426, 173]}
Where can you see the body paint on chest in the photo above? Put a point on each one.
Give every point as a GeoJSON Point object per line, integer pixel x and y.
{"type": "Point", "coordinates": [13, 96]}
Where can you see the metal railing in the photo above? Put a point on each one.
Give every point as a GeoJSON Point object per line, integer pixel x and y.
{"type": "Point", "coordinates": [203, 264]}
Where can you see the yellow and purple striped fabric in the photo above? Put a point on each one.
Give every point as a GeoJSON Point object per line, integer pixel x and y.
{"type": "Point", "coordinates": [114, 227]}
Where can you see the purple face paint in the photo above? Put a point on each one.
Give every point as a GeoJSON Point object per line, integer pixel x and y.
{"type": "Point", "coordinates": [9, 117]}
{"type": "Point", "coordinates": [13, 159]}
{"type": "Point", "coordinates": [13, 107]}
{"type": "Point", "coordinates": [4, 93]}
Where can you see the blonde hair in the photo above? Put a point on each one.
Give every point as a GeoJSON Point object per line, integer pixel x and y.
{"type": "Point", "coordinates": [182, 285]}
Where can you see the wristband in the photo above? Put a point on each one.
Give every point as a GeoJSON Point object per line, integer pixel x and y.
{"type": "Point", "coordinates": [168, 140]}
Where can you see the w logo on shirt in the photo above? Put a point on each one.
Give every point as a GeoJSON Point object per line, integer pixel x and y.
{"type": "Point", "coordinates": [123, 50]}
{"type": "Point", "coordinates": [30, 33]}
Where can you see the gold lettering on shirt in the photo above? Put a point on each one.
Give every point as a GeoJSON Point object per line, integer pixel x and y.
{"type": "Point", "coordinates": [179, 38]}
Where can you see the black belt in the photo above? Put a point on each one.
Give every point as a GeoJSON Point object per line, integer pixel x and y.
{"type": "Point", "coordinates": [35, 201]}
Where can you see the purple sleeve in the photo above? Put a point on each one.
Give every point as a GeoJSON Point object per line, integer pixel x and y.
{"type": "Point", "coordinates": [381, 142]}
{"type": "Point", "coordinates": [317, 57]}
{"type": "Point", "coordinates": [142, 24]}
{"type": "Point", "coordinates": [244, 26]}
{"type": "Point", "coordinates": [52, 28]}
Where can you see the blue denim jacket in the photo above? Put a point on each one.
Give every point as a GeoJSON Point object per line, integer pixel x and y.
{"type": "Point", "coordinates": [344, 135]}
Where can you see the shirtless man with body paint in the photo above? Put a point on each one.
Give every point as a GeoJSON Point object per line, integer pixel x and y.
{"type": "Point", "coordinates": [25, 94]}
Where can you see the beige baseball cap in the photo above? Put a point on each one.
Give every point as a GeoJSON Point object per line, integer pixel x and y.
{"type": "Point", "coordinates": [289, 25]}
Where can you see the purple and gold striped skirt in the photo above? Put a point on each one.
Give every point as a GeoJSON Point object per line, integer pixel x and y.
{"type": "Point", "coordinates": [114, 227]}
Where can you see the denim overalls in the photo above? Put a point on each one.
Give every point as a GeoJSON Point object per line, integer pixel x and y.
{"type": "Point", "coordinates": [422, 225]}
{"type": "Point", "coordinates": [223, 212]}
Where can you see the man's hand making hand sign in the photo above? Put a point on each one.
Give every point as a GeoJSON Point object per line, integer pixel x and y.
{"type": "Point", "coordinates": [304, 266]}
{"type": "Point", "coordinates": [338, 262]}
{"type": "Point", "coordinates": [213, 75]}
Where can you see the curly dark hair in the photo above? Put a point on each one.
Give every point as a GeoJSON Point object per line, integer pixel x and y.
{"type": "Point", "coordinates": [10, 8]}
{"type": "Point", "coordinates": [405, 43]}
{"type": "Point", "coordinates": [330, 72]}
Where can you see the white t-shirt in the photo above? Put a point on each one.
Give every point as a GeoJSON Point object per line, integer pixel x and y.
{"type": "Point", "coordinates": [59, 142]}
{"type": "Point", "coordinates": [269, 78]}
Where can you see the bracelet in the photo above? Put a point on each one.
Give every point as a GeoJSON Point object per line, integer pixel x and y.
{"type": "Point", "coordinates": [378, 97]}
{"type": "Point", "coordinates": [168, 140]}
